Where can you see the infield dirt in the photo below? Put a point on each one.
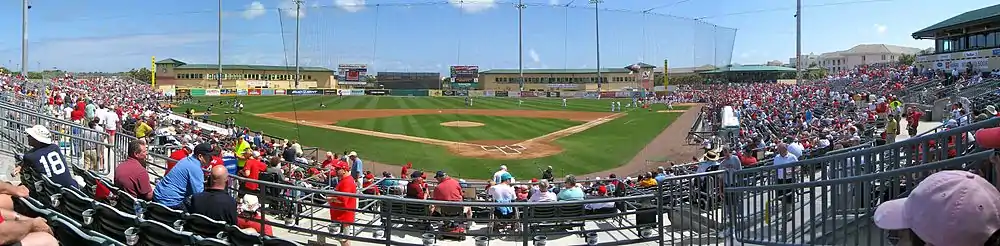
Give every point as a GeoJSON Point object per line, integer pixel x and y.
{"type": "Point", "coordinates": [528, 149]}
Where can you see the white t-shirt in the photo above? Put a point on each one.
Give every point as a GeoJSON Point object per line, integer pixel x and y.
{"type": "Point", "coordinates": [502, 192]}
{"type": "Point", "coordinates": [110, 120]}
{"type": "Point", "coordinates": [796, 149]}
{"type": "Point", "coordinates": [780, 160]}
{"type": "Point", "coordinates": [496, 176]}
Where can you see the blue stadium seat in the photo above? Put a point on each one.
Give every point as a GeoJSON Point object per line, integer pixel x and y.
{"type": "Point", "coordinates": [70, 234]}
{"type": "Point", "coordinates": [155, 233]}
{"type": "Point", "coordinates": [112, 222]}
{"type": "Point", "coordinates": [238, 237]}
{"type": "Point", "coordinates": [203, 226]}
{"type": "Point", "coordinates": [74, 204]}
{"type": "Point", "coordinates": [127, 203]}
{"type": "Point", "coordinates": [159, 212]}
{"type": "Point", "coordinates": [47, 189]}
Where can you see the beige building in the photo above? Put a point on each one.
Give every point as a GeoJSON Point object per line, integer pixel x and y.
{"type": "Point", "coordinates": [807, 60]}
{"type": "Point", "coordinates": [184, 75]}
{"type": "Point", "coordinates": [863, 54]}
{"type": "Point", "coordinates": [615, 79]}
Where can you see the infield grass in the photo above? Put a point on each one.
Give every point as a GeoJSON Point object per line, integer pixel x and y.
{"type": "Point", "coordinates": [494, 128]}
{"type": "Point", "coordinates": [599, 148]}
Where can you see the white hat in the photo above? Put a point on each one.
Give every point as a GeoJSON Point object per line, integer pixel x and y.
{"type": "Point", "coordinates": [40, 133]}
{"type": "Point", "coordinates": [503, 167]}
{"type": "Point", "coordinates": [352, 153]}
{"type": "Point", "coordinates": [992, 109]}
{"type": "Point", "coordinates": [249, 203]}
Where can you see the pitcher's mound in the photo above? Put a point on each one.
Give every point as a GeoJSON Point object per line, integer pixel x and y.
{"type": "Point", "coordinates": [671, 111]}
{"type": "Point", "coordinates": [462, 124]}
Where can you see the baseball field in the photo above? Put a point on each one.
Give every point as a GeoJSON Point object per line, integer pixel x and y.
{"type": "Point", "coordinates": [442, 133]}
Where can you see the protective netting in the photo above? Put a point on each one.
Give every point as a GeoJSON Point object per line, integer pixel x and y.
{"type": "Point", "coordinates": [430, 37]}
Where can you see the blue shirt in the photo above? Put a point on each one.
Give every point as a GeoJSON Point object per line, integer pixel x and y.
{"type": "Point", "coordinates": [49, 162]}
{"type": "Point", "coordinates": [356, 167]}
{"type": "Point", "coordinates": [571, 194]}
{"type": "Point", "coordinates": [184, 180]}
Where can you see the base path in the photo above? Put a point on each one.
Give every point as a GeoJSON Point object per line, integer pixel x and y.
{"type": "Point", "coordinates": [670, 143]}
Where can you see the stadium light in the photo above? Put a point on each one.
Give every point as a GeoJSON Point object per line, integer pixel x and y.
{"type": "Point", "coordinates": [520, 45]}
{"type": "Point", "coordinates": [24, 37]}
{"type": "Point", "coordinates": [597, 34]}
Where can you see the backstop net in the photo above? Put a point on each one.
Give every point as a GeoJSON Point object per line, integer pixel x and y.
{"type": "Point", "coordinates": [431, 37]}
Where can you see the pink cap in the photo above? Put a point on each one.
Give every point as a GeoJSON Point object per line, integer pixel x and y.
{"type": "Point", "coordinates": [946, 208]}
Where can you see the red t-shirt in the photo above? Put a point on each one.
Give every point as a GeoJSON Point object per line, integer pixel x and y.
{"type": "Point", "coordinates": [748, 160]}
{"type": "Point", "coordinates": [131, 177]}
{"type": "Point", "coordinates": [244, 223]}
{"type": "Point", "coordinates": [448, 190]}
{"type": "Point", "coordinates": [176, 156]}
{"type": "Point", "coordinates": [346, 185]}
{"type": "Point", "coordinates": [216, 161]}
{"type": "Point", "coordinates": [255, 167]}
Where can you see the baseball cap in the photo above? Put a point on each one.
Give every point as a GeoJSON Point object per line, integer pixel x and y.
{"type": "Point", "coordinates": [602, 190]}
{"type": "Point", "coordinates": [505, 177]}
{"type": "Point", "coordinates": [503, 167]}
{"type": "Point", "coordinates": [416, 174]}
{"type": "Point", "coordinates": [353, 153]}
{"type": "Point", "coordinates": [946, 208]}
{"type": "Point", "coordinates": [988, 138]}
{"type": "Point", "coordinates": [369, 176]}
{"type": "Point", "coordinates": [440, 174]}
{"type": "Point", "coordinates": [204, 149]}
{"type": "Point", "coordinates": [340, 165]}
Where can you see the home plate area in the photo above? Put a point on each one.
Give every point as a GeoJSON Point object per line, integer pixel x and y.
{"type": "Point", "coordinates": [514, 149]}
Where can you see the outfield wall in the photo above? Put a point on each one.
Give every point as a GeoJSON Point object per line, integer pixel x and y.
{"type": "Point", "coordinates": [404, 92]}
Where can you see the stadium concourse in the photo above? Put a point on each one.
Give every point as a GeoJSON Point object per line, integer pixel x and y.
{"type": "Point", "coordinates": [828, 134]}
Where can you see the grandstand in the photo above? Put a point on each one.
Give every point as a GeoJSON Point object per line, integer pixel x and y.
{"type": "Point", "coordinates": [969, 40]}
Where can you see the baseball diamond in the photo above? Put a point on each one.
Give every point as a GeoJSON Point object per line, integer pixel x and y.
{"type": "Point", "coordinates": [582, 138]}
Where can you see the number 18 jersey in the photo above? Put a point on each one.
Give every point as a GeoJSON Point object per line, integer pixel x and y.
{"type": "Point", "coordinates": [48, 161]}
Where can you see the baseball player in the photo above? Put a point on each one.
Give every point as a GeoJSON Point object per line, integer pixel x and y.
{"type": "Point", "coordinates": [618, 105]}
{"type": "Point", "coordinates": [612, 106]}
{"type": "Point", "coordinates": [519, 102]}
{"type": "Point", "coordinates": [564, 102]}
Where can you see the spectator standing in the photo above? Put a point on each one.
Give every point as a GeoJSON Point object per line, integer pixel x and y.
{"type": "Point", "coordinates": [785, 158]}
{"type": "Point", "coordinates": [499, 173]}
{"type": "Point", "coordinates": [91, 158]}
{"type": "Point", "coordinates": [131, 175]}
{"type": "Point", "coordinates": [185, 179]}
{"type": "Point", "coordinates": [252, 171]}
{"type": "Point", "coordinates": [142, 129]}
{"type": "Point", "coordinates": [357, 166]}
{"type": "Point", "coordinates": [46, 159]}
{"type": "Point", "coordinates": [342, 207]}
{"type": "Point", "coordinates": [215, 203]}
{"type": "Point", "coordinates": [241, 149]}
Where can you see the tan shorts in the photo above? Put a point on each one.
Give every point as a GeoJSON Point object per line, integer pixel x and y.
{"type": "Point", "coordinates": [90, 160]}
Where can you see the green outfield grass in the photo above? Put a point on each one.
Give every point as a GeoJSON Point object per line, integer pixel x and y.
{"type": "Point", "coordinates": [429, 126]}
{"type": "Point", "coordinates": [600, 148]}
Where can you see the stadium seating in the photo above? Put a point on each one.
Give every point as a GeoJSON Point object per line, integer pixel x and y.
{"type": "Point", "coordinates": [74, 204]}
{"type": "Point", "coordinates": [240, 238]}
{"type": "Point", "coordinates": [155, 233]}
{"type": "Point", "coordinates": [203, 226]}
{"type": "Point", "coordinates": [112, 222]}
{"type": "Point", "coordinates": [126, 202]}
{"type": "Point", "coordinates": [159, 212]}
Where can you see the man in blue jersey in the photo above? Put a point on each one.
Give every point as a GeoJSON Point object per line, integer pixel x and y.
{"type": "Point", "coordinates": [185, 179]}
{"type": "Point", "coordinates": [44, 157]}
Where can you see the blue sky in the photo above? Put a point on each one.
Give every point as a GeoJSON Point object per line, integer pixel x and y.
{"type": "Point", "coordinates": [412, 35]}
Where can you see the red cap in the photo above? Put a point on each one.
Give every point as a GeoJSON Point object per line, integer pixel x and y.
{"type": "Point", "coordinates": [988, 138]}
{"type": "Point", "coordinates": [340, 165]}
{"type": "Point", "coordinates": [602, 190]}
{"type": "Point", "coordinates": [369, 176]}
{"type": "Point", "coordinates": [534, 180]}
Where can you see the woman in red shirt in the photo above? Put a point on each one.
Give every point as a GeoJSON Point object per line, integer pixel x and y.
{"type": "Point", "coordinates": [342, 207]}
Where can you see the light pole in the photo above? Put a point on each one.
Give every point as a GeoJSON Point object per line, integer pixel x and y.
{"type": "Point", "coordinates": [798, 41]}
{"type": "Point", "coordinates": [24, 38]}
{"type": "Point", "coordinates": [298, 8]}
{"type": "Point", "coordinates": [218, 76]}
{"type": "Point", "coordinates": [520, 45]}
{"type": "Point", "coordinates": [597, 34]}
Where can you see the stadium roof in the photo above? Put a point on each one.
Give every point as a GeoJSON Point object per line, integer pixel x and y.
{"type": "Point", "coordinates": [750, 68]}
{"type": "Point", "coordinates": [991, 13]}
{"type": "Point", "coordinates": [555, 71]}
{"type": "Point", "coordinates": [183, 65]}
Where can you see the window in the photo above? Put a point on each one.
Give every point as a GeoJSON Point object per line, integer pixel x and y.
{"type": "Point", "coordinates": [991, 40]}
{"type": "Point", "coordinates": [883, 57]}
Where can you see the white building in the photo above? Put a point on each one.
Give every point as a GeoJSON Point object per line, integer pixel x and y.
{"type": "Point", "coordinates": [806, 60]}
{"type": "Point", "coordinates": [863, 54]}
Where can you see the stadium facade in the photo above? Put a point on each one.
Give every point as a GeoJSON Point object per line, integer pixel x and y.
{"type": "Point", "coordinates": [969, 40]}
{"type": "Point", "coordinates": [614, 79]}
{"type": "Point", "coordinates": [183, 75]}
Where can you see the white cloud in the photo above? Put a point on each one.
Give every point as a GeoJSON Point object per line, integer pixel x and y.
{"type": "Point", "coordinates": [880, 29]}
{"type": "Point", "coordinates": [254, 10]}
{"type": "Point", "coordinates": [350, 5]}
{"type": "Point", "coordinates": [473, 6]}
{"type": "Point", "coordinates": [553, 2]}
{"type": "Point", "coordinates": [288, 9]}
{"type": "Point", "coordinates": [118, 53]}
{"type": "Point", "coordinates": [534, 55]}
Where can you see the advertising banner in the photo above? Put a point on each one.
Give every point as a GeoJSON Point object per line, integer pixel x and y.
{"type": "Point", "coordinates": [254, 92]}
{"type": "Point", "coordinates": [590, 94]}
{"type": "Point", "coordinates": [623, 94]}
{"type": "Point", "coordinates": [435, 93]}
{"type": "Point", "coordinates": [279, 92]}
{"type": "Point", "coordinates": [462, 93]}
{"type": "Point", "coordinates": [357, 92]}
{"type": "Point", "coordinates": [212, 92]}
{"type": "Point", "coordinates": [552, 94]}
{"type": "Point", "coordinates": [241, 92]}
{"type": "Point", "coordinates": [528, 94]}
{"type": "Point", "coordinates": [500, 94]}
{"type": "Point", "coordinates": [227, 92]}
{"type": "Point", "coordinates": [377, 92]}
{"type": "Point", "coordinates": [258, 83]}
{"type": "Point", "coordinates": [608, 94]}
{"type": "Point", "coordinates": [187, 92]}
{"type": "Point", "coordinates": [464, 76]}
{"type": "Point", "coordinates": [567, 94]}
{"type": "Point", "coordinates": [476, 93]}
{"type": "Point", "coordinates": [488, 93]}
{"type": "Point", "coordinates": [303, 92]}
{"type": "Point", "coordinates": [563, 86]}
{"type": "Point", "coordinates": [267, 92]}
{"type": "Point", "coordinates": [197, 92]}
{"type": "Point", "coordinates": [449, 93]}
{"type": "Point", "coordinates": [408, 92]}
{"type": "Point", "coordinates": [352, 74]}
{"type": "Point", "coordinates": [330, 92]}
{"type": "Point", "coordinates": [513, 93]}
{"type": "Point", "coordinates": [978, 63]}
